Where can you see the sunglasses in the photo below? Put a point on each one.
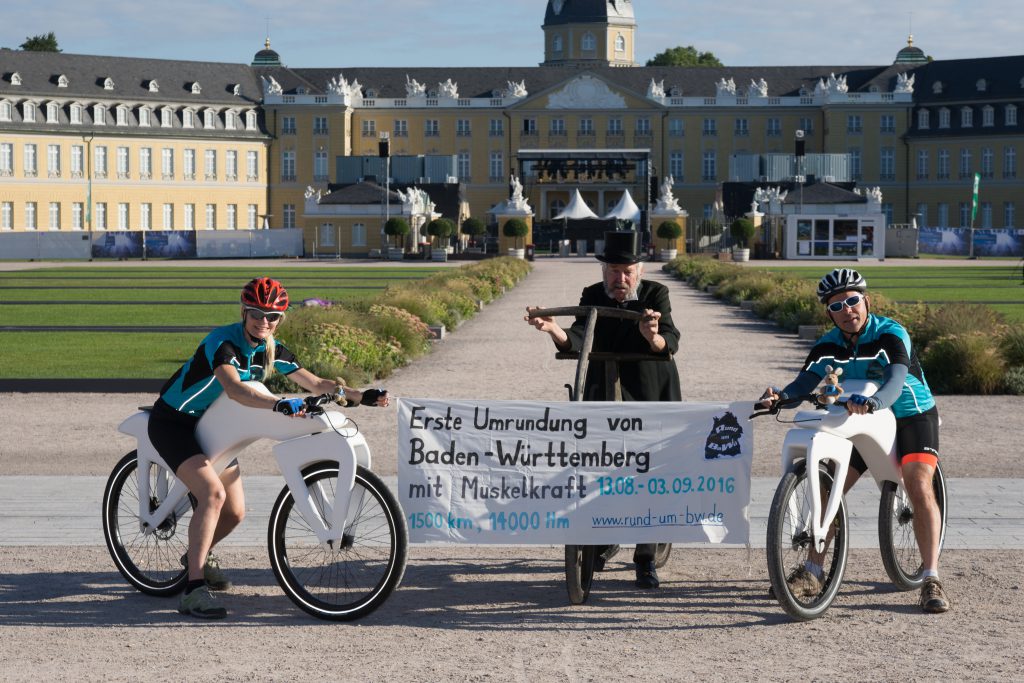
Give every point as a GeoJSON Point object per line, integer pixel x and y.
{"type": "Point", "coordinates": [257, 314]}
{"type": "Point", "coordinates": [849, 302]}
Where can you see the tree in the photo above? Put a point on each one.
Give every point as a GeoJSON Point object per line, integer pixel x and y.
{"type": "Point", "coordinates": [441, 228]}
{"type": "Point", "coordinates": [742, 230]}
{"type": "Point", "coordinates": [41, 43]}
{"type": "Point", "coordinates": [684, 56]}
{"type": "Point", "coordinates": [516, 228]}
{"type": "Point", "coordinates": [474, 227]}
{"type": "Point", "coordinates": [670, 232]}
{"type": "Point", "coordinates": [397, 227]}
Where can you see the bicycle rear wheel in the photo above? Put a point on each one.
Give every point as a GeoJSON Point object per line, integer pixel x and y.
{"type": "Point", "coordinates": [897, 542]}
{"type": "Point", "coordinates": [350, 581]}
{"type": "Point", "coordinates": [661, 553]}
{"type": "Point", "coordinates": [579, 571]}
{"type": "Point", "coordinates": [789, 545]}
{"type": "Point", "coordinates": [149, 561]}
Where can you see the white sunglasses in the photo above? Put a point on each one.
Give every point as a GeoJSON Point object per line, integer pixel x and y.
{"type": "Point", "coordinates": [848, 302]}
{"type": "Point", "coordinates": [257, 314]}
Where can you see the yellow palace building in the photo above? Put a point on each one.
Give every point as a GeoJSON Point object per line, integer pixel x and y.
{"type": "Point", "coordinates": [107, 144]}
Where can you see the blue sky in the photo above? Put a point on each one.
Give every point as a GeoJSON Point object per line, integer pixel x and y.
{"type": "Point", "coordinates": [339, 33]}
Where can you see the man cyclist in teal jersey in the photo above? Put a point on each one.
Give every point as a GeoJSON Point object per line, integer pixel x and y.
{"type": "Point", "coordinates": [872, 347]}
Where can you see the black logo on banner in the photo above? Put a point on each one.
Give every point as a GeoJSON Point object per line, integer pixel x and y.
{"type": "Point", "coordinates": [724, 439]}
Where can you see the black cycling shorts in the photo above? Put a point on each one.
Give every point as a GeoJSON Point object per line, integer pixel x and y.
{"type": "Point", "coordinates": [914, 434]}
{"type": "Point", "coordinates": [173, 435]}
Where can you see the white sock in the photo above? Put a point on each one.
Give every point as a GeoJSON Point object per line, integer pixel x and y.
{"type": "Point", "coordinates": [934, 573]}
{"type": "Point", "coordinates": [814, 569]}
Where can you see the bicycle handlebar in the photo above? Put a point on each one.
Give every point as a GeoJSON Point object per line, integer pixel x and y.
{"type": "Point", "coordinates": [792, 401]}
{"type": "Point", "coordinates": [576, 311]}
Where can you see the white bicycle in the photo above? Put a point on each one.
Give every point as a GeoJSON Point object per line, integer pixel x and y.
{"type": "Point", "coordinates": [821, 442]}
{"type": "Point", "coordinates": [337, 537]}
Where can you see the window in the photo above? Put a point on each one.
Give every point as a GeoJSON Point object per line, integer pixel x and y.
{"type": "Point", "coordinates": [887, 164]}
{"type": "Point", "coordinates": [52, 113]}
{"type": "Point", "coordinates": [496, 166]}
{"type": "Point", "coordinates": [99, 161]}
{"type": "Point", "coordinates": [807, 125]}
{"type": "Point", "coordinates": [122, 216]}
{"type": "Point", "coordinates": [615, 126]}
{"type": "Point", "coordinates": [557, 127]}
{"type": "Point", "coordinates": [556, 44]}
{"type": "Point", "coordinates": [709, 171]}
{"type": "Point", "coordinates": [462, 162]}
{"type": "Point", "coordinates": [773, 128]}
{"type": "Point", "coordinates": [210, 164]}
{"type": "Point", "coordinates": [144, 116]}
{"type": "Point", "coordinates": [675, 128]}
{"type": "Point", "coordinates": [287, 125]}
{"type": "Point", "coordinates": [77, 161]}
{"type": "Point", "coordinates": [987, 163]}
{"type": "Point", "coordinates": [943, 218]}
{"type": "Point", "coordinates": [252, 166]}
{"type": "Point", "coordinates": [922, 215]}
{"type": "Point", "coordinates": [253, 216]}
{"type": "Point", "coordinates": [53, 161]}
{"type": "Point", "coordinates": [28, 112]}
{"type": "Point", "coordinates": [145, 163]}
{"type": "Point", "coordinates": [250, 120]}
{"type": "Point", "coordinates": [166, 117]}
{"type": "Point", "coordinates": [462, 128]}
{"type": "Point", "coordinates": [965, 214]}
{"type": "Point", "coordinates": [30, 215]}
{"type": "Point", "coordinates": [359, 235]}
{"type": "Point", "coordinates": [167, 163]}
{"type": "Point", "coordinates": [168, 212]}
{"type": "Point", "coordinates": [188, 119]}
{"type": "Point", "coordinates": [855, 165]}
{"type": "Point", "coordinates": [1011, 115]}
{"type": "Point", "coordinates": [122, 163]}
{"type": "Point", "coordinates": [988, 116]}
{"type": "Point", "coordinates": [588, 43]}
{"type": "Point", "coordinates": [6, 111]}
{"type": "Point", "coordinates": [6, 215]}
{"type": "Point", "coordinates": [986, 215]}
{"type": "Point", "coordinates": [100, 222]}
{"type": "Point", "coordinates": [643, 126]}
{"type": "Point", "coordinates": [854, 123]}
{"type": "Point", "coordinates": [401, 128]}
{"type": "Point", "coordinates": [320, 165]}
{"type": "Point", "coordinates": [943, 118]}
{"type": "Point", "coordinates": [431, 128]}
{"type": "Point", "coordinates": [326, 235]}
{"type": "Point", "coordinates": [122, 115]}
{"type": "Point", "coordinates": [530, 126]}
{"type": "Point", "coordinates": [229, 121]}
{"type": "Point", "coordinates": [966, 117]}
{"type": "Point", "coordinates": [54, 215]}
{"type": "Point", "coordinates": [887, 123]}
{"type": "Point", "coordinates": [211, 216]}
{"type": "Point", "coordinates": [965, 162]}
{"type": "Point", "coordinates": [146, 216]}
{"type": "Point", "coordinates": [887, 211]}
{"type": "Point", "coordinates": [29, 154]}
{"type": "Point", "coordinates": [190, 217]}
{"type": "Point", "coordinates": [76, 114]}
{"type": "Point", "coordinates": [320, 125]}
{"type": "Point", "coordinates": [288, 215]}
{"type": "Point", "coordinates": [922, 164]}
{"type": "Point", "coordinates": [1009, 162]}
{"type": "Point", "coordinates": [232, 216]}
{"type": "Point", "coordinates": [496, 128]}
{"type": "Point", "coordinates": [675, 166]}
{"type": "Point", "coordinates": [620, 44]}
{"type": "Point", "coordinates": [586, 126]}
{"type": "Point", "coordinates": [1009, 215]}
{"type": "Point", "coordinates": [190, 164]}
{"type": "Point", "coordinates": [923, 119]}
{"type": "Point", "coordinates": [6, 159]}
{"type": "Point", "coordinates": [209, 118]}
{"type": "Point", "coordinates": [369, 128]}
{"type": "Point", "coordinates": [231, 164]}
{"type": "Point", "coordinates": [77, 211]}
{"type": "Point", "coordinates": [741, 130]}
{"type": "Point", "coordinates": [942, 172]}
{"type": "Point", "coordinates": [709, 128]}
{"type": "Point", "coordinates": [288, 166]}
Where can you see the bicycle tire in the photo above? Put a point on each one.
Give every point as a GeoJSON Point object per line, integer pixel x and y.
{"type": "Point", "coordinates": [579, 572]}
{"type": "Point", "coordinates": [789, 543]}
{"type": "Point", "coordinates": [353, 580]}
{"type": "Point", "coordinates": [897, 543]}
{"type": "Point", "coordinates": [661, 554]}
{"type": "Point", "coordinates": [150, 562]}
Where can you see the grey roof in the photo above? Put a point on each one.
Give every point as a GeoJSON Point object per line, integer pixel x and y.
{"type": "Point", "coordinates": [823, 193]}
{"type": "Point", "coordinates": [363, 192]}
{"type": "Point", "coordinates": [1004, 78]}
{"type": "Point", "coordinates": [590, 11]}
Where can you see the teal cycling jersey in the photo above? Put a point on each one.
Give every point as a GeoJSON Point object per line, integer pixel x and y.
{"type": "Point", "coordinates": [194, 387]}
{"type": "Point", "coordinates": [881, 343]}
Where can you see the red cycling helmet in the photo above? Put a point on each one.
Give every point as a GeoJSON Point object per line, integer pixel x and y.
{"type": "Point", "coordinates": [265, 294]}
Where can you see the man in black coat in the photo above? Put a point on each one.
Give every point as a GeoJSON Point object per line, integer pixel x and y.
{"type": "Point", "coordinates": [623, 286]}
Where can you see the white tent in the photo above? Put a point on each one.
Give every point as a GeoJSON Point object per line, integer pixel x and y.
{"type": "Point", "coordinates": [576, 209]}
{"type": "Point", "coordinates": [626, 209]}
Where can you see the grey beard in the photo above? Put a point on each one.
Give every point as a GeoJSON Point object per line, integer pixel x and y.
{"type": "Point", "coordinates": [630, 295]}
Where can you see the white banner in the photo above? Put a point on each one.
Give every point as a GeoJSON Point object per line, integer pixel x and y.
{"type": "Point", "coordinates": [584, 473]}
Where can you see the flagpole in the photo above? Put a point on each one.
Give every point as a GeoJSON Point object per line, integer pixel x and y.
{"type": "Point", "coordinates": [974, 213]}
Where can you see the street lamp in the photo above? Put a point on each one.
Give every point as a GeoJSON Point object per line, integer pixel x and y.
{"type": "Point", "coordinates": [384, 151]}
{"type": "Point", "coordinates": [87, 139]}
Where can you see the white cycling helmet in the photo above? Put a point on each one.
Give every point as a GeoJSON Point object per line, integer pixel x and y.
{"type": "Point", "coordinates": [841, 280]}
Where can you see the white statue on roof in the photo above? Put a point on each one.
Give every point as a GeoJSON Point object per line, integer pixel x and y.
{"type": "Point", "coordinates": [339, 85]}
{"type": "Point", "coordinates": [414, 88]}
{"type": "Point", "coordinates": [834, 85]}
{"type": "Point", "coordinates": [416, 200]}
{"type": "Point", "coordinates": [770, 199]}
{"type": "Point", "coordinates": [904, 83]}
{"type": "Point", "coordinates": [667, 203]}
{"type": "Point", "coordinates": [758, 88]}
{"type": "Point", "coordinates": [448, 89]}
{"type": "Point", "coordinates": [270, 86]}
{"type": "Point", "coordinates": [656, 90]}
{"type": "Point", "coordinates": [312, 193]}
{"type": "Point", "coordinates": [725, 87]}
{"type": "Point", "coordinates": [514, 89]}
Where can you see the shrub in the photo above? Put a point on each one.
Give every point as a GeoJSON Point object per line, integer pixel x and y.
{"type": "Point", "coordinates": [951, 319]}
{"type": "Point", "coordinates": [474, 227]}
{"type": "Point", "coordinates": [742, 230]}
{"type": "Point", "coordinates": [1013, 381]}
{"type": "Point", "coordinates": [441, 228]}
{"type": "Point", "coordinates": [396, 227]}
{"type": "Point", "coordinates": [516, 228]}
{"type": "Point", "coordinates": [966, 363]}
{"type": "Point", "coordinates": [1011, 345]}
{"type": "Point", "coordinates": [669, 232]}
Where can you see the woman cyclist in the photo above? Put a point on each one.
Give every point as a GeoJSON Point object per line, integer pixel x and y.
{"type": "Point", "coordinates": [869, 346]}
{"type": "Point", "coordinates": [225, 359]}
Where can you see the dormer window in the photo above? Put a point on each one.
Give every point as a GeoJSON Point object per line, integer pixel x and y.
{"type": "Point", "coordinates": [144, 116]}
{"type": "Point", "coordinates": [62, 81]}
{"type": "Point", "coordinates": [99, 115]}
{"type": "Point", "coordinates": [28, 112]}
{"type": "Point", "coordinates": [1011, 115]}
{"type": "Point", "coordinates": [943, 118]}
{"type": "Point", "coordinates": [803, 91]}
{"type": "Point", "coordinates": [122, 115]}
{"type": "Point", "coordinates": [923, 119]}
{"type": "Point", "coordinates": [675, 91]}
{"type": "Point", "coordinates": [250, 120]}
{"type": "Point", "coordinates": [166, 117]}
{"type": "Point", "coordinates": [76, 114]}
{"type": "Point", "coordinates": [229, 120]}
{"type": "Point", "coordinates": [209, 117]}
{"type": "Point", "coordinates": [937, 88]}
{"type": "Point", "coordinates": [196, 89]}
{"type": "Point", "coordinates": [988, 116]}
{"type": "Point", "coordinates": [432, 92]}
{"type": "Point", "coordinates": [300, 91]}
{"type": "Point", "coordinates": [6, 110]}
{"type": "Point", "coordinates": [153, 86]}
{"type": "Point", "coordinates": [981, 85]}
{"type": "Point", "coordinates": [108, 83]}
{"type": "Point", "coordinates": [52, 112]}
{"type": "Point", "coordinates": [188, 119]}
{"type": "Point", "coordinates": [371, 93]}
{"type": "Point", "coordinates": [966, 117]}
{"type": "Point", "coordinates": [16, 78]}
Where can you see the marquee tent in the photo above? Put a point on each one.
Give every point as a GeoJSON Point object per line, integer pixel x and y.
{"type": "Point", "coordinates": [626, 209]}
{"type": "Point", "coordinates": [576, 209]}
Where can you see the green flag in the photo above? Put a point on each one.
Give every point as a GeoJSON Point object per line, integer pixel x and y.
{"type": "Point", "coordinates": [974, 198]}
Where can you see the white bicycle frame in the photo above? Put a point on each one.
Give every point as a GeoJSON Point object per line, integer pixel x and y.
{"type": "Point", "coordinates": [228, 427]}
{"type": "Point", "coordinates": [830, 435]}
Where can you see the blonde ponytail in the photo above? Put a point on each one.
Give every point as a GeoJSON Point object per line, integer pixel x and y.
{"type": "Point", "coordinates": [268, 356]}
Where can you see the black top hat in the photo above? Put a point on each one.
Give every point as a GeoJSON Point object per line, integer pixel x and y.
{"type": "Point", "coordinates": [621, 246]}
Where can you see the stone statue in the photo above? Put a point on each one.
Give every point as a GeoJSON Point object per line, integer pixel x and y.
{"type": "Point", "coordinates": [834, 85]}
{"type": "Point", "coordinates": [667, 203]}
{"type": "Point", "coordinates": [270, 86]}
{"type": "Point", "coordinates": [448, 89]}
{"type": "Point", "coordinates": [904, 84]}
{"type": "Point", "coordinates": [656, 90]}
{"type": "Point", "coordinates": [514, 89]}
{"type": "Point", "coordinates": [725, 87]}
{"type": "Point", "coordinates": [340, 86]}
{"type": "Point", "coordinates": [758, 88]}
{"type": "Point", "coordinates": [414, 88]}
{"type": "Point", "coordinates": [516, 200]}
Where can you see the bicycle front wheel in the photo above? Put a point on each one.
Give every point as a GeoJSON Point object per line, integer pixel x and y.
{"type": "Point", "coordinates": [579, 571]}
{"type": "Point", "coordinates": [149, 561]}
{"type": "Point", "coordinates": [790, 545]}
{"type": "Point", "coordinates": [897, 541]}
{"type": "Point", "coordinates": [661, 553]}
{"type": "Point", "coordinates": [353, 579]}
